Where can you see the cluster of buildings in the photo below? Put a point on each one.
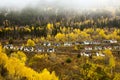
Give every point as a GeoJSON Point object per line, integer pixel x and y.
{"type": "Point", "coordinates": [28, 48]}
{"type": "Point", "coordinates": [88, 47]}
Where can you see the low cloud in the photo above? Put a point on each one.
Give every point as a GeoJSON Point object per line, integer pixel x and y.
{"type": "Point", "coordinates": [60, 3]}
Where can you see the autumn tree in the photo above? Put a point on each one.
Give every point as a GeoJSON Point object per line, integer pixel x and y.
{"type": "Point", "coordinates": [20, 55]}
{"type": "Point", "coordinates": [72, 36]}
{"type": "Point", "coordinates": [102, 34]}
{"type": "Point", "coordinates": [110, 59]}
{"type": "Point", "coordinates": [17, 70]}
{"type": "Point", "coordinates": [84, 35]}
{"type": "Point", "coordinates": [49, 28]}
{"type": "Point", "coordinates": [60, 37]}
{"type": "Point", "coordinates": [114, 35]}
{"type": "Point", "coordinates": [112, 63]}
{"type": "Point", "coordinates": [50, 38]}
{"type": "Point", "coordinates": [30, 42]}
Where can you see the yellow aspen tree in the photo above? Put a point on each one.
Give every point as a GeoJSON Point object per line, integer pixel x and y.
{"type": "Point", "coordinates": [111, 59]}
{"type": "Point", "coordinates": [19, 55]}
{"type": "Point", "coordinates": [112, 63]}
{"type": "Point", "coordinates": [30, 42]}
{"type": "Point", "coordinates": [102, 34]}
{"type": "Point", "coordinates": [60, 37]}
{"type": "Point", "coordinates": [49, 27]}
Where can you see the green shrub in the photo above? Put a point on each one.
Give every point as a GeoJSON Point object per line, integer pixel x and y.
{"type": "Point", "coordinates": [68, 60]}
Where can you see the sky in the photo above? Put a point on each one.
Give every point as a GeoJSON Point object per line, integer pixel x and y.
{"type": "Point", "coordinates": [64, 3]}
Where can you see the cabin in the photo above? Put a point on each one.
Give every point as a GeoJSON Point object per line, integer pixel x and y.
{"type": "Point", "coordinates": [8, 46]}
{"type": "Point", "coordinates": [107, 47]}
{"type": "Point", "coordinates": [57, 44]}
{"type": "Point", "coordinates": [20, 48]}
{"type": "Point", "coordinates": [87, 42]}
{"type": "Point", "coordinates": [51, 50]}
{"type": "Point", "coordinates": [78, 43]}
{"type": "Point", "coordinates": [88, 48]}
{"type": "Point", "coordinates": [87, 54]}
{"type": "Point", "coordinates": [96, 42]}
{"type": "Point", "coordinates": [67, 44]}
{"type": "Point", "coordinates": [47, 44]}
{"type": "Point", "coordinates": [39, 50]}
{"type": "Point", "coordinates": [110, 41]}
{"type": "Point", "coordinates": [97, 48]}
{"type": "Point", "coordinates": [28, 49]}
{"type": "Point", "coordinates": [99, 54]}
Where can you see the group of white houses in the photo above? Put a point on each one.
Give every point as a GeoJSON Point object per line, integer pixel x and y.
{"type": "Point", "coordinates": [96, 42]}
{"type": "Point", "coordinates": [49, 50]}
{"type": "Point", "coordinates": [88, 54]}
{"type": "Point", "coordinates": [87, 42]}
{"type": "Point", "coordinates": [49, 47]}
{"type": "Point", "coordinates": [28, 48]}
{"type": "Point", "coordinates": [102, 47]}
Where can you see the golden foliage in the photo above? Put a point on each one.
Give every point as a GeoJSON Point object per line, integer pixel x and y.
{"type": "Point", "coordinates": [107, 52]}
{"type": "Point", "coordinates": [3, 56]}
{"type": "Point", "coordinates": [18, 70]}
{"type": "Point", "coordinates": [49, 26]}
{"type": "Point", "coordinates": [19, 55]}
{"type": "Point", "coordinates": [102, 33]}
{"type": "Point", "coordinates": [30, 42]}
{"type": "Point", "coordinates": [45, 75]}
{"type": "Point", "coordinates": [112, 62]}
{"type": "Point", "coordinates": [60, 37]}
{"type": "Point", "coordinates": [117, 76]}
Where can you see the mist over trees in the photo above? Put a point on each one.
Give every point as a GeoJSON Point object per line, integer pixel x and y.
{"type": "Point", "coordinates": [41, 16]}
